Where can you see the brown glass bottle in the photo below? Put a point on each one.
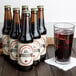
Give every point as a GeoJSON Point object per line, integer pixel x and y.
{"type": "Point", "coordinates": [14, 33]}
{"type": "Point", "coordinates": [24, 7]}
{"type": "Point", "coordinates": [36, 36]}
{"type": "Point", "coordinates": [25, 44]}
{"type": "Point", "coordinates": [6, 30]}
{"type": "Point", "coordinates": [42, 30]}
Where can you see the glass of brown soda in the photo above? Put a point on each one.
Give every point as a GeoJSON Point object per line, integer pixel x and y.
{"type": "Point", "coordinates": [63, 36]}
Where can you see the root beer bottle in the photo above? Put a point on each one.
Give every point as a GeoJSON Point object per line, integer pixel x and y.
{"type": "Point", "coordinates": [25, 44]}
{"type": "Point", "coordinates": [13, 38]}
{"type": "Point", "coordinates": [42, 32]}
{"type": "Point", "coordinates": [36, 36]}
{"type": "Point", "coordinates": [6, 30]}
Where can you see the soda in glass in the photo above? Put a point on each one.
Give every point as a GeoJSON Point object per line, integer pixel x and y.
{"type": "Point", "coordinates": [63, 37]}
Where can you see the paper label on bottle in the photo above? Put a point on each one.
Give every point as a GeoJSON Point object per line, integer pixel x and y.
{"type": "Point", "coordinates": [13, 43]}
{"type": "Point", "coordinates": [43, 45]}
{"type": "Point", "coordinates": [25, 54]}
{"type": "Point", "coordinates": [36, 47]}
{"type": "Point", "coordinates": [5, 41]}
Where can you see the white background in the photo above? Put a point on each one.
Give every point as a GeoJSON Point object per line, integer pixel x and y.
{"type": "Point", "coordinates": [55, 11]}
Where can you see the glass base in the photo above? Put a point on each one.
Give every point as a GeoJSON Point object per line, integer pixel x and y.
{"type": "Point", "coordinates": [62, 63]}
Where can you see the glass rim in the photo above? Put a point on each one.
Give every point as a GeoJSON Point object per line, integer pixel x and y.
{"type": "Point", "coordinates": [64, 23]}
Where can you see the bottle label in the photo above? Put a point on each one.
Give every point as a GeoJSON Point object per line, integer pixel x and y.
{"type": "Point", "coordinates": [25, 54]}
{"type": "Point", "coordinates": [36, 47]}
{"type": "Point", "coordinates": [43, 45]}
{"type": "Point", "coordinates": [5, 41]}
{"type": "Point", "coordinates": [13, 43]}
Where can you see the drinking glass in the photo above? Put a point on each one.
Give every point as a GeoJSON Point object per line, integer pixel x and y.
{"type": "Point", "coordinates": [63, 37]}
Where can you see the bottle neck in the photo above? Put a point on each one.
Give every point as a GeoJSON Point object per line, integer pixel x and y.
{"type": "Point", "coordinates": [41, 14]}
{"type": "Point", "coordinates": [34, 20]}
{"type": "Point", "coordinates": [8, 15]}
{"type": "Point", "coordinates": [16, 17]}
{"type": "Point", "coordinates": [34, 25]}
{"type": "Point", "coordinates": [7, 19]}
{"type": "Point", "coordinates": [41, 21]}
{"type": "Point", "coordinates": [15, 30]}
{"type": "Point", "coordinates": [25, 35]}
{"type": "Point", "coordinates": [26, 24]}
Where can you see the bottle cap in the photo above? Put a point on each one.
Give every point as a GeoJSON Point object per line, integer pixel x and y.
{"type": "Point", "coordinates": [16, 9]}
{"type": "Point", "coordinates": [34, 9]}
{"type": "Point", "coordinates": [40, 6]}
{"type": "Point", "coordinates": [7, 6]}
{"type": "Point", "coordinates": [24, 6]}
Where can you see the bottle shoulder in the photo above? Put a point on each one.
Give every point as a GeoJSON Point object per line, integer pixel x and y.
{"type": "Point", "coordinates": [25, 38]}
{"type": "Point", "coordinates": [15, 31]}
{"type": "Point", "coordinates": [36, 35]}
{"type": "Point", "coordinates": [14, 36]}
{"type": "Point", "coordinates": [6, 27]}
{"type": "Point", "coordinates": [43, 31]}
{"type": "Point", "coordinates": [5, 31]}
